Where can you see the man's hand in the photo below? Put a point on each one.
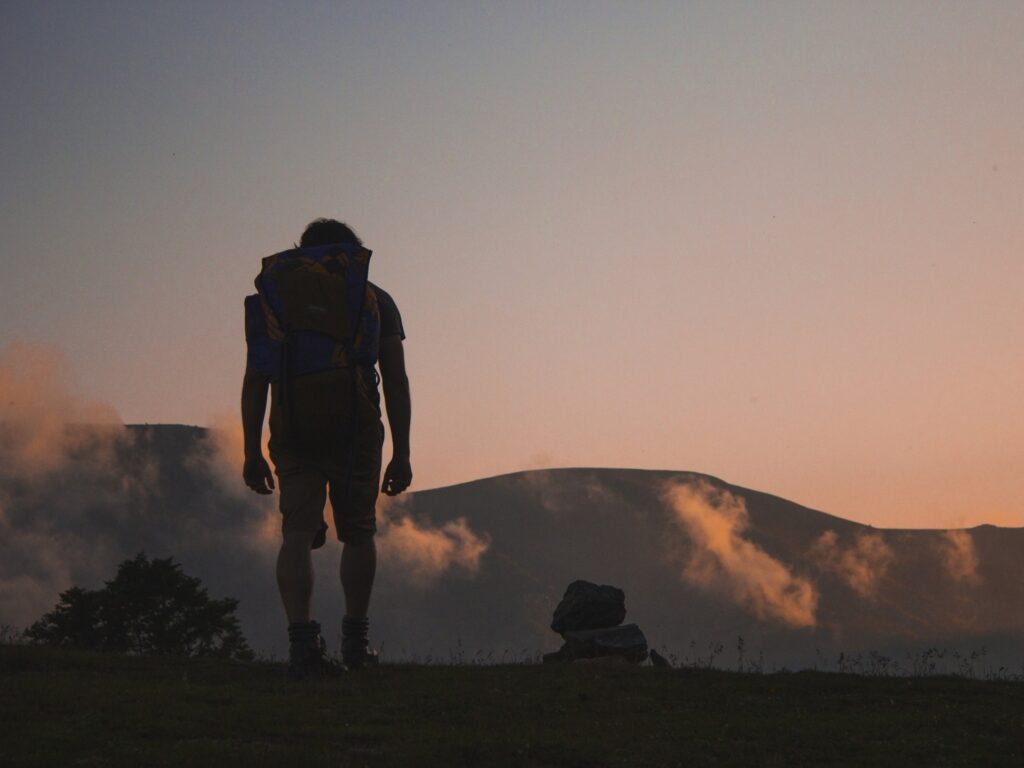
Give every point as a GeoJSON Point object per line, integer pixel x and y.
{"type": "Point", "coordinates": [397, 476]}
{"type": "Point", "coordinates": [257, 475]}
{"type": "Point", "coordinates": [256, 472]}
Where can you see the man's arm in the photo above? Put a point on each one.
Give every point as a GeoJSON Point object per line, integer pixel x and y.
{"type": "Point", "coordinates": [398, 403]}
{"type": "Point", "coordinates": [256, 472]}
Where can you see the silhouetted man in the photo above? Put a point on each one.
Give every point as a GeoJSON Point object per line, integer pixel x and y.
{"type": "Point", "coordinates": [326, 433]}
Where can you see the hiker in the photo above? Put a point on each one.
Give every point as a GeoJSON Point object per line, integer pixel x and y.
{"type": "Point", "coordinates": [314, 332]}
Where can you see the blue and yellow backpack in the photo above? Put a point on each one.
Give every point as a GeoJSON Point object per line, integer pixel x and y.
{"type": "Point", "coordinates": [313, 327]}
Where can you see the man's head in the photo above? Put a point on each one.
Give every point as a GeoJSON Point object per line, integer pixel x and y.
{"type": "Point", "coordinates": [327, 232]}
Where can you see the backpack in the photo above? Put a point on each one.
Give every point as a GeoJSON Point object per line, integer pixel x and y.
{"type": "Point", "coordinates": [313, 327]}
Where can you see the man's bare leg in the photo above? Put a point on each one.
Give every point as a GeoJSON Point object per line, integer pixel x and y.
{"type": "Point", "coordinates": [358, 568]}
{"type": "Point", "coordinates": [295, 576]}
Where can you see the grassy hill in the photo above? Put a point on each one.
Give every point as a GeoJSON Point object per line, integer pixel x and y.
{"type": "Point", "coordinates": [74, 708]}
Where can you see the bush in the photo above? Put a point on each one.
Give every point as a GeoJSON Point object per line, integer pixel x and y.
{"type": "Point", "coordinates": [150, 607]}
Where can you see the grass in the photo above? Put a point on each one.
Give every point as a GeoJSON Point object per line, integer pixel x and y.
{"type": "Point", "coordinates": [76, 708]}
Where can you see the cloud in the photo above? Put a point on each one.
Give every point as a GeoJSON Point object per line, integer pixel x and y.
{"type": "Point", "coordinates": [33, 571]}
{"type": "Point", "coordinates": [722, 558]}
{"type": "Point", "coordinates": [220, 452]}
{"type": "Point", "coordinates": [960, 557]}
{"type": "Point", "coordinates": [223, 451]}
{"type": "Point", "coordinates": [543, 486]}
{"type": "Point", "coordinates": [75, 524]}
{"type": "Point", "coordinates": [59, 456]}
{"type": "Point", "coordinates": [861, 566]}
{"type": "Point", "coordinates": [80, 492]}
{"type": "Point", "coordinates": [36, 408]}
{"type": "Point", "coordinates": [548, 487]}
{"type": "Point", "coordinates": [422, 552]}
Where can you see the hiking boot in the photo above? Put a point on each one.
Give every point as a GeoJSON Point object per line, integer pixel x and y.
{"type": "Point", "coordinates": [307, 653]}
{"type": "Point", "coordinates": [357, 661]}
{"type": "Point", "coordinates": [355, 650]}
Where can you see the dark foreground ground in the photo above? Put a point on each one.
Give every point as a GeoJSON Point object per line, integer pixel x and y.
{"type": "Point", "coordinates": [65, 708]}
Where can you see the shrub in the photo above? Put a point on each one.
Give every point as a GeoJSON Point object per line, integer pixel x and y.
{"type": "Point", "coordinates": [150, 607]}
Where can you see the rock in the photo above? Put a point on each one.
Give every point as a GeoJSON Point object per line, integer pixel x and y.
{"type": "Point", "coordinates": [557, 656]}
{"type": "Point", "coordinates": [604, 661]}
{"type": "Point", "coordinates": [588, 618]}
{"type": "Point", "coordinates": [658, 660]}
{"type": "Point", "coordinates": [589, 606]}
{"type": "Point", "coordinates": [626, 641]}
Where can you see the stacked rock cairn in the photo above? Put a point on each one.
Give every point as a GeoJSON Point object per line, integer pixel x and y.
{"type": "Point", "coordinates": [589, 619]}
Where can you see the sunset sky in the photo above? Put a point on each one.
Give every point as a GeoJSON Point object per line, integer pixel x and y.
{"type": "Point", "coordinates": [779, 243]}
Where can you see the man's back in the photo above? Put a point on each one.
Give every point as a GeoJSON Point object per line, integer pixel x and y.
{"type": "Point", "coordinates": [349, 470]}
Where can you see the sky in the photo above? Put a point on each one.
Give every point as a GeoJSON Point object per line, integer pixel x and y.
{"type": "Point", "coordinates": [778, 243]}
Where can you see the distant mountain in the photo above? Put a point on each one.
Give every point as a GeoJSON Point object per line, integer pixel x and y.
{"type": "Point", "coordinates": [475, 570]}
{"type": "Point", "coordinates": [884, 590]}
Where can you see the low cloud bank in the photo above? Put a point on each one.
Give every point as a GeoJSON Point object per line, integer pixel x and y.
{"type": "Point", "coordinates": [80, 492]}
{"type": "Point", "coordinates": [861, 566]}
{"type": "Point", "coordinates": [220, 454]}
{"type": "Point", "coordinates": [422, 551]}
{"type": "Point", "coordinates": [722, 558]}
{"type": "Point", "coordinates": [36, 409]}
{"type": "Point", "coordinates": [52, 467]}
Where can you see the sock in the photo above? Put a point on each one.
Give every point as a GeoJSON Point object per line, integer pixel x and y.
{"type": "Point", "coordinates": [353, 636]}
{"type": "Point", "coordinates": [303, 631]}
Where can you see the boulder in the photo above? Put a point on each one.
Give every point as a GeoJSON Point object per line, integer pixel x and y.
{"type": "Point", "coordinates": [589, 606]}
{"type": "Point", "coordinates": [626, 642]}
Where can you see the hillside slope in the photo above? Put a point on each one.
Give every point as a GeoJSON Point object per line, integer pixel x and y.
{"type": "Point", "coordinates": [476, 569]}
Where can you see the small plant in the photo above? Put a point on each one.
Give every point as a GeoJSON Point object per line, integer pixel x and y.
{"type": "Point", "coordinates": [926, 662]}
{"type": "Point", "coordinates": [847, 665]}
{"type": "Point", "coordinates": [714, 649]}
{"type": "Point", "coordinates": [686, 660]}
{"type": "Point", "coordinates": [970, 665]}
{"type": "Point", "coordinates": [457, 655]}
{"type": "Point", "coordinates": [880, 665]}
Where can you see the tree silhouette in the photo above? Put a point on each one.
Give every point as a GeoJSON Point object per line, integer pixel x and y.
{"type": "Point", "coordinates": [150, 607]}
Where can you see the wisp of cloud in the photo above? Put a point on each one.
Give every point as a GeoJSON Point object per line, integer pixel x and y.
{"type": "Point", "coordinates": [960, 557]}
{"type": "Point", "coordinates": [861, 566]}
{"type": "Point", "coordinates": [422, 551]}
{"type": "Point", "coordinates": [723, 558]}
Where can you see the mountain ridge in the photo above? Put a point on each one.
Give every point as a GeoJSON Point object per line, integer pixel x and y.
{"type": "Point", "coordinates": [205, 430]}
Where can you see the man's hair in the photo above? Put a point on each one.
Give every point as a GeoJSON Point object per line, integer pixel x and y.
{"type": "Point", "coordinates": [327, 232]}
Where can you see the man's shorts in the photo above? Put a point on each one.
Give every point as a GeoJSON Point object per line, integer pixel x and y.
{"type": "Point", "coordinates": [350, 474]}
